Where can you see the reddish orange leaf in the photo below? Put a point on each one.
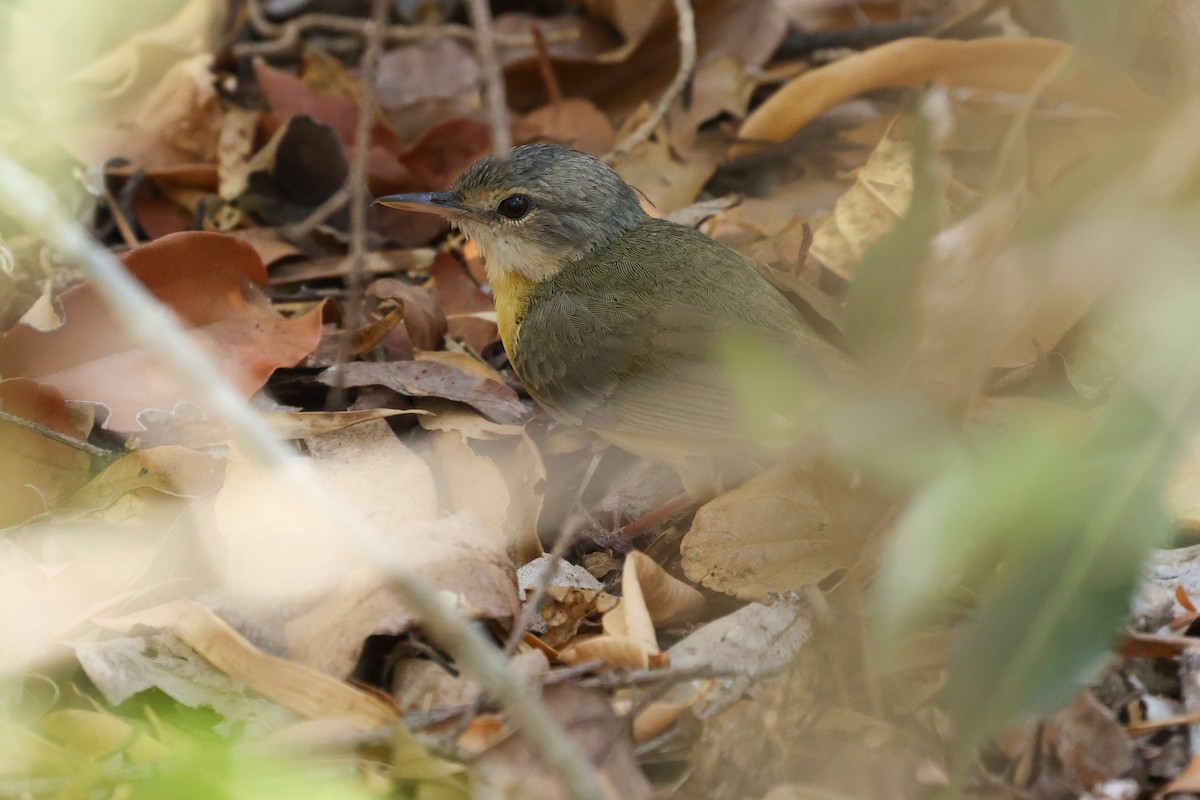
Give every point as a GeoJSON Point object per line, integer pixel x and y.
{"type": "Point", "coordinates": [207, 279]}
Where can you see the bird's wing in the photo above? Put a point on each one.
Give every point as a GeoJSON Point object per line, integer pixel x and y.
{"type": "Point", "coordinates": [651, 384]}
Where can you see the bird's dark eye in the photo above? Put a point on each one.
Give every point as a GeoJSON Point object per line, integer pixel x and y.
{"type": "Point", "coordinates": [515, 206]}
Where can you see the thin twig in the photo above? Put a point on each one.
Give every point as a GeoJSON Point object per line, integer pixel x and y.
{"type": "Point", "coordinates": [493, 76]}
{"type": "Point", "coordinates": [687, 63]}
{"type": "Point", "coordinates": [122, 222]}
{"type": "Point", "coordinates": [33, 205]}
{"type": "Point", "coordinates": [546, 67]}
{"type": "Point", "coordinates": [623, 678]}
{"type": "Point", "coordinates": [36, 427]}
{"type": "Point", "coordinates": [357, 187]}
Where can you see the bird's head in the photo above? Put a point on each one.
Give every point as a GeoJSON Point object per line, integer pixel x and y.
{"type": "Point", "coordinates": [540, 208]}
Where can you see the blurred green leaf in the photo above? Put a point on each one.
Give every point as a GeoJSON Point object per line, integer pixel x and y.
{"type": "Point", "coordinates": [882, 313]}
{"type": "Point", "coordinates": [1108, 31]}
{"type": "Point", "coordinates": [1057, 600]}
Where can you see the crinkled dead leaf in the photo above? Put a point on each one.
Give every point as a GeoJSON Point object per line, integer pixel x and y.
{"type": "Point", "coordinates": [629, 638]}
{"type": "Point", "coordinates": [208, 280]}
{"type": "Point", "coordinates": [879, 197]}
{"type": "Point", "coordinates": [994, 64]}
{"type": "Point", "coordinates": [663, 712]}
{"type": "Point", "coordinates": [36, 472]}
{"type": "Point", "coordinates": [721, 86]}
{"type": "Point", "coordinates": [424, 321]}
{"type": "Point", "coordinates": [756, 641]}
{"type": "Point", "coordinates": [123, 666]}
{"type": "Point", "coordinates": [302, 166]}
{"type": "Point", "coordinates": [790, 527]}
{"type": "Point", "coordinates": [572, 596]}
{"type": "Point", "coordinates": [436, 377]}
{"type": "Point", "coordinates": [304, 690]}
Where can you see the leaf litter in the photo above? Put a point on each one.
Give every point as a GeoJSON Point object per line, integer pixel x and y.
{"type": "Point", "coordinates": [924, 577]}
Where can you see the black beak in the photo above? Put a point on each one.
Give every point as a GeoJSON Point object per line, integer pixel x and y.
{"type": "Point", "coordinates": [440, 203]}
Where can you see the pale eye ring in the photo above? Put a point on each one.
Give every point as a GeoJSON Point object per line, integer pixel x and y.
{"type": "Point", "coordinates": [515, 206]}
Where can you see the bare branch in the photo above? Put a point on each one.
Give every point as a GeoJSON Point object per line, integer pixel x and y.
{"type": "Point", "coordinates": [36, 427]}
{"type": "Point", "coordinates": [357, 187]}
{"type": "Point", "coordinates": [493, 75]}
{"type": "Point", "coordinates": [687, 63]}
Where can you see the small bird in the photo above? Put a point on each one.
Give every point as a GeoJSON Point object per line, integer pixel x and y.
{"type": "Point", "coordinates": [609, 316]}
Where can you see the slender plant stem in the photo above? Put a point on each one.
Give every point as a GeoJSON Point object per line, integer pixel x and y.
{"type": "Point", "coordinates": [36, 427]}
{"type": "Point", "coordinates": [497, 101]}
{"type": "Point", "coordinates": [31, 203]}
{"type": "Point", "coordinates": [687, 64]}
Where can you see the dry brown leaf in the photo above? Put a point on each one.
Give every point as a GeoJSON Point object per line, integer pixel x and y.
{"type": "Point", "coordinates": [617, 652]}
{"type": "Point", "coordinates": [302, 689]}
{"type": "Point", "coordinates": [669, 181]}
{"type": "Point", "coordinates": [447, 416]}
{"type": "Point", "coordinates": [208, 280]}
{"type": "Point", "coordinates": [424, 322]}
{"type": "Point", "coordinates": [36, 472]}
{"type": "Point", "coordinates": [718, 87]}
{"type": "Point", "coordinates": [473, 481]}
{"type": "Point", "coordinates": [996, 64]}
{"type": "Point", "coordinates": [574, 122]}
{"type": "Point", "coordinates": [459, 290]}
{"type": "Point", "coordinates": [778, 532]}
{"type": "Point", "coordinates": [502, 485]}
{"type": "Point", "coordinates": [869, 209]}
{"type": "Point", "coordinates": [436, 377]}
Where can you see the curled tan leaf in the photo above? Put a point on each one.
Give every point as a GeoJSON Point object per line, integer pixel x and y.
{"type": "Point", "coordinates": [669, 601]}
{"type": "Point", "coordinates": [302, 689]}
{"type": "Point", "coordinates": [996, 64]}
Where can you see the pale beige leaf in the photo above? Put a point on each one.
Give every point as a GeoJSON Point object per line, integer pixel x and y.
{"type": "Point", "coordinates": [780, 531]}
{"type": "Point", "coordinates": [631, 619]}
{"type": "Point", "coordinates": [614, 651]}
{"type": "Point", "coordinates": [465, 559]}
{"type": "Point", "coordinates": [869, 209]}
{"type": "Point", "coordinates": [277, 548]}
{"type": "Point", "coordinates": [1000, 64]}
{"type": "Point", "coordinates": [669, 601]}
